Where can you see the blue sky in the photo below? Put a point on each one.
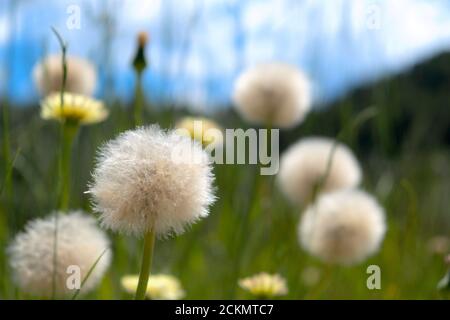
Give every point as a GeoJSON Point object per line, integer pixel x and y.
{"type": "Point", "coordinates": [198, 47]}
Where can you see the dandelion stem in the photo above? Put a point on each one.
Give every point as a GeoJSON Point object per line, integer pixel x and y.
{"type": "Point", "coordinates": [147, 255]}
{"type": "Point", "coordinates": [139, 65]}
{"type": "Point", "coordinates": [139, 100]}
{"type": "Point", "coordinates": [69, 131]}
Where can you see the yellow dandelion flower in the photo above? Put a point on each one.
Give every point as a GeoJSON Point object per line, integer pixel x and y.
{"type": "Point", "coordinates": [159, 287]}
{"type": "Point", "coordinates": [264, 285]}
{"type": "Point", "coordinates": [77, 108]}
{"type": "Point", "coordinates": [200, 129]}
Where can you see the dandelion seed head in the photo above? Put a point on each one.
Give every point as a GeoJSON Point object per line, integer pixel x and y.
{"type": "Point", "coordinates": [77, 109]}
{"type": "Point", "coordinates": [304, 164]}
{"type": "Point", "coordinates": [79, 243]}
{"type": "Point", "coordinates": [140, 184]}
{"type": "Point", "coordinates": [343, 227]}
{"type": "Point", "coordinates": [81, 75]}
{"type": "Point", "coordinates": [265, 285]}
{"type": "Point", "coordinates": [273, 94]}
{"type": "Point", "coordinates": [159, 287]}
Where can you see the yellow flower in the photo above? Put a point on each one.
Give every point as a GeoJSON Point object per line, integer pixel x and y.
{"type": "Point", "coordinates": [203, 130]}
{"type": "Point", "coordinates": [264, 285]}
{"type": "Point", "coordinates": [77, 108]}
{"type": "Point", "coordinates": [160, 286]}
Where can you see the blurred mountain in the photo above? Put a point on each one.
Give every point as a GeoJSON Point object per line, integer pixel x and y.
{"type": "Point", "coordinates": [413, 111]}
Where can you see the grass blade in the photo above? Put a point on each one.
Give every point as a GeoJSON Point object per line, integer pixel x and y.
{"type": "Point", "coordinates": [75, 295]}
{"type": "Point", "coordinates": [9, 171]}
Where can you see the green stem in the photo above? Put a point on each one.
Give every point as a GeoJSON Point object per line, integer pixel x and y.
{"type": "Point", "coordinates": [260, 186]}
{"type": "Point", "coordinates": [69, 131]}
{"type": "Point", "coordinates": [360, 118]}
{"type": "Point", "coordinates": [8, 182]}
{"type": "Point", "coordinates": [13, 10]}
{"type": "Point", "coordinates": [322, 285]}
{"type": "Point", "coordinates": [139, 100]}
{"type": "Point", "coordinates": [55, 256]}
{"type": "Point", "coordinates": [147, 255]}
{"type": "Point", "coordinates": [7, 153]}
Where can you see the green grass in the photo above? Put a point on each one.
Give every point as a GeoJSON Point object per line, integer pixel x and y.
{"type": "Point", "coordinates": [245, 235]}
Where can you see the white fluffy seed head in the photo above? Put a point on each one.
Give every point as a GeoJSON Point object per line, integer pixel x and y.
{"type": "Point", "coordinates": [79, 243]}
{"type": "Point", "coordinates": [81, 75]}
{"type": "Point", "coordinates": [152, 179]}
{"type": "Point", "coordinates": [305, 163]}
{"type": "Point", "coordinates": [343, 227]}
{"type": "Point", "coordinates": [275, 94]}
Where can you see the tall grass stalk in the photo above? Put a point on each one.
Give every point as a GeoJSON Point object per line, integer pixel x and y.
{"type": "Point", "coordinates": [4, 186]}
{"type": "Point", "coordinates": [77, 292]}
{"type": "Point", "coordinates": [8, 185]}
{"type": "Point", "coordinates": [67, 133]}
{"type": "Point", "coordinates": [243, 228]}
{"type": "Point", "coordinates": [360, 118]}
{"type": "Point", "coordinates": [5, 221]}
{"type": "Point", "coordinates": [261, 190]}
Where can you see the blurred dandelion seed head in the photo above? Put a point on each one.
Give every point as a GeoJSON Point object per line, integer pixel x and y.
{"type": "Point", "coordinates": [76, 109]}
{"type": "Point", "coordinates": [81, 75]}
{"type": "Point", "coordinates": [343, 227]}
{"type": "Point", "coordinates": [265, 285]}
{"type": "Point", "coordinates": [159, 287]}
{"type": "Point", "coordinates": [80, 242]}
{"type": "Point", "coordinates": [138, 187]}
{"type": "Point", "coordinates": [203, 130]}
{"type": "Point", "coordinates": [304, 164]}
{"type": "Point", "coordinates": [272, 94]}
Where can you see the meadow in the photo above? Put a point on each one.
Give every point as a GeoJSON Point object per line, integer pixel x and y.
{"type": "Point", "coordinates": [252, 227]}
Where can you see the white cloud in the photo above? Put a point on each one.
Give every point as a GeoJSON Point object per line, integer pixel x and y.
{"type": "Point", "coordinates": [4, 29]}
{"type": "Point", "coordinates": [142, 10]}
